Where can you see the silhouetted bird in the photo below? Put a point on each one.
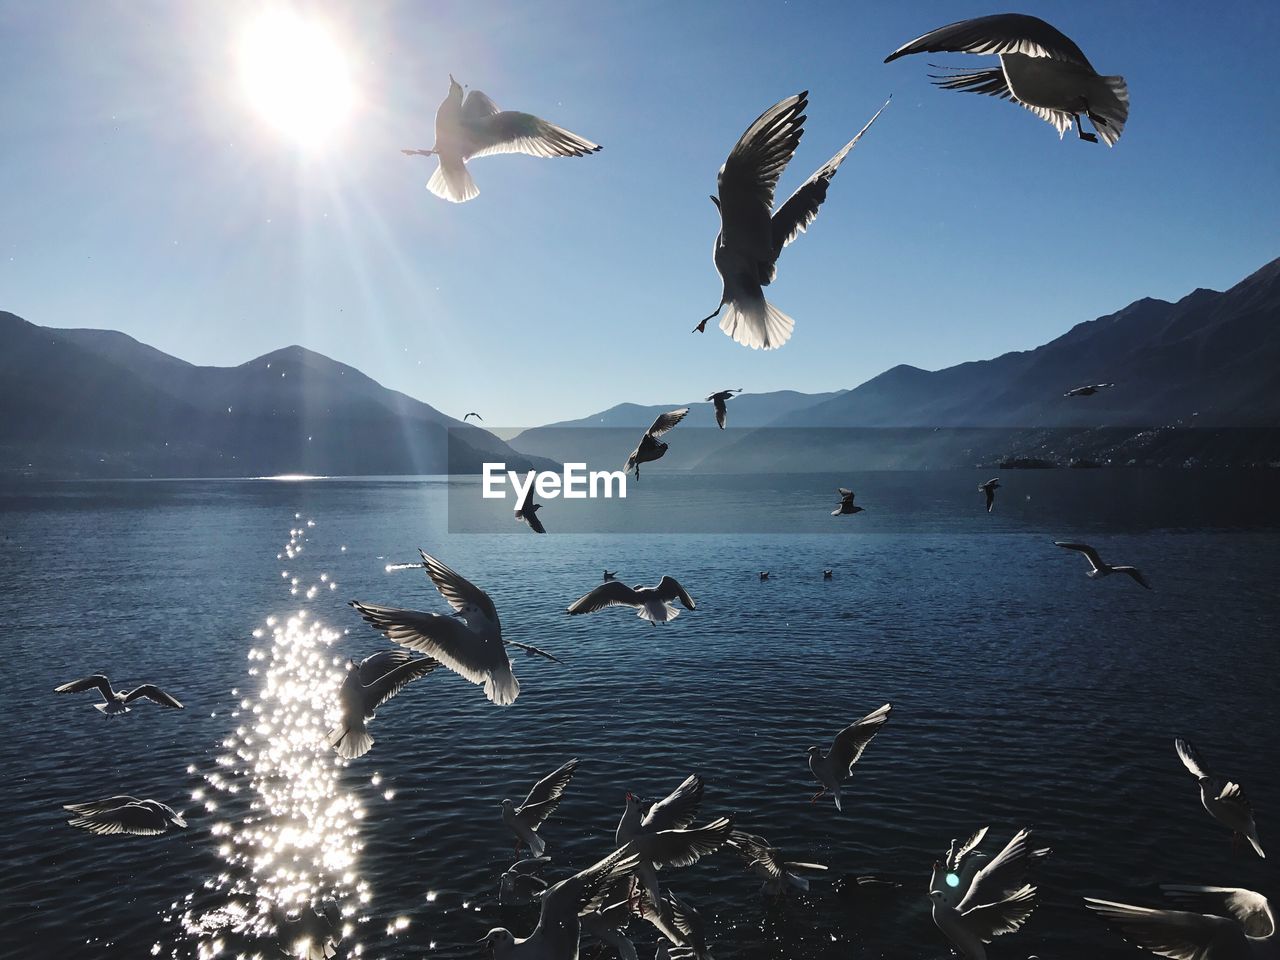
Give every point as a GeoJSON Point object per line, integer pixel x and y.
{"type": "Point", "coordinates": [608, 575]}
{"type": "Point", "coordinates": [528, 512]}
{"type": "Point", "coordinates": [651, 448]}
{"type": "Point", "coordinates": [1088, 391]}
{"type": "Point", "coordinates": [833, 768]}
{"type": "Point", "coordinates": [651, 603]}
{"type": "Point", "coordinates": [466, 416]}
{"type": "Point", "coordinates": [718, 399]}
{"type": "Point", "coordinates": [1098, 567]}
{"type": "Point", "coordinates": [847, 506]}
{"type": "Point", "coordinates": [117, 702]}
{"type": "Point", "coordinates": [989, 488]}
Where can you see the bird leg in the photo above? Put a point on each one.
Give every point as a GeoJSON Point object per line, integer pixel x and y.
{"type": "Point", "coordinates": [816, 796]}
{"type": "Point", "coordinates": [1089, 137]}
{"type": "Point", "coordinates": [702, 324]}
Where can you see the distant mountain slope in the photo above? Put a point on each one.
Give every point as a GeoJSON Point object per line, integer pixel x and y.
{"type": "Point", "coordinates": [745, 410]}
{"type": "Point", "coordinates": [99, 403]}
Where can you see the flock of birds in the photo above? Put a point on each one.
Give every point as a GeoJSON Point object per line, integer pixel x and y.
{"type": "Point", "coordinates": [974, 897]}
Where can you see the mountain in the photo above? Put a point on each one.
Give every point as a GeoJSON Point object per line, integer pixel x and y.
{"type": "Point", "coordinates": [97, 403]}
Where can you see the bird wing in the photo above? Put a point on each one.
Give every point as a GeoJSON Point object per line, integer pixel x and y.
{"type": "Point", "coordinates": [1177, 934]}
{"type": "Point", "coordinates": [1233, 794]}
{"type": "Point", "coordinates": [686, 919]}
{"type": "Point", "coordinates": [991, 82]}
{"type": "Point", "coordinates": [546, 794]}
{"type": "Point", "coordinates": [131, 818]}
{"type": "Point", "coordinates": [565, 900]}
{"type": "Point", "coordinates": [666, 421]}
{"type": "Point", "coordinates": [853, 739]}
{"type": "Point", "coordinates": [477, 106]}
{"type": "Point", "coordinates": [378, 665]}
{"type": "Point", "coordinates": [678, 809]}
{"type": "Point", "coordinates": [721, 411]}
{"type": "Point", "coordinates": [530, 649]}
{"type": "Point", "coordinates": [954, 860]}
{"type": "Point", "coordinates": [153, 693]}
{"type": "Point", "coordinates": [1133, 572]}
{"type": "Point", "coordinates": [95, 682]}
{"type": "Point", "coordinates": [457, 589]}
{"type": "Point", "coordinates": [99, 806]}
{"type": "Point", "coordinates": [801, 208]}
{"type": "Point", "coordinates": [1003, 874]}
{"type": "Point", "coordinates": [1191, 759]}
{"type": "Point", "coordinates": [1251, 910]}
{"type": "Point", "coordinates": [525, 505]}
{"type": "Point", "coordinates": [991, 497]}
{"type": "Point", "coordinates": [990, 920]}
{"type": "Point", "coordinates": [393, 681]}
{"type": "Point", "coordinates": [531, 866]}
{"type": "Point", "coordinates": [683, 848]}
{"type": "Point", "coordinates": [1094, 560]}
{"type": "Point", "coordinates": [535, 523]}
{"type": "Point", "coordinates": [997, 34]}
{"type": "Point", "coordinates": [608, 594]}
{"type": "Point", "coordinates": [750, 174]}
{"type": "Point", "coordinates": [510, 131]}
{"type": "Point", "coordinates": [754, 849]}
{"type": "Point", "coordinates": [669, 588]}
{"type": "Point", "coordinates": [845, 494]}
{"type": "Point", "coordinates": [445, 638]}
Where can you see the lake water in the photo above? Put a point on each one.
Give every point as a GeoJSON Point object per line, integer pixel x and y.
{"type": "Point", "coordinates": [1023, 693]}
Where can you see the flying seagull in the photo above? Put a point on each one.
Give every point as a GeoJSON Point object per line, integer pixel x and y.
{"type": "Point", "coordinates": [1040, 68]}
{"type": "Point", "coordinates": [610, 574]}
{"type": "Point", "coordinates": [543, 798]}
{"type": "Point", "coordinates": [967, 877]}
{"type": "Point", "coordinates": [124, 814]}
{"type": "Point", "coordinates": [467, 416]}
{"type": "Point", "coordinates": [475, 127]}
{"type": "Point", "coordinates": [1218, 923]}
{"type": "Point", "coordinates": [718, 399]}
{"type": "Point", "coordinates": [559, 929]}
{"type": "Point", "coordinates": [1087, 391]}
{"type": "Point", "coordinates": [832, 769]}
{"type": "Point", "coordinates": [1099, 568]}
{"type": "Point", "coordinates": [469, 642]}
{"type": "Point", "coordinates": [117, 702]}
{"type": "Point", "coordinates": [1223, 799]}
{"type": "Point", "coordinates": [651, 448]}
{"type": "Point", "coordinates": [528, 512]}
{"type": "Point", "coordinates": [366, 687]}
{"type": "Point", "coordinates": [652, 603]}
{"type": "Point", "coordinates": [679, 923]}
{"type": "Point", "coordinates": [752, 234]}
{"type": "Point", "coordinates": [521, 883]}
{"type": "Point", "coordinates": [768, 862]}
{"type": "Point", "coordinates": [971, 928]}
{"type": "Point", "coordinates": [989, 488]}
{"type": "Point", "coordinates": [608, 921]}
{"type": "Point", "coordinates": [846, 505]}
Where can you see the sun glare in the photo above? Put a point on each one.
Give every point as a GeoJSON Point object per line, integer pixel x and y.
{"type": "Point", "coordinates": [295, 76]}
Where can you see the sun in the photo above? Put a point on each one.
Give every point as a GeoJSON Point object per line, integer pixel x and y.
{"type": "Point", "coordinates": [296, 76]}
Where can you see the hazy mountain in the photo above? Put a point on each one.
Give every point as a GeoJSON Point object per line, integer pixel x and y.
{"type": "Point", "coordinates": [99, 403]}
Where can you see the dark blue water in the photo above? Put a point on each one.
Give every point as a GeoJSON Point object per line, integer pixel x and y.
{"type": "Point", "coordinates": [1023, 693]}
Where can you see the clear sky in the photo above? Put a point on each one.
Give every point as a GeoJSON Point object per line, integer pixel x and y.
{"type": "Point", "coordinates": [144, 189]}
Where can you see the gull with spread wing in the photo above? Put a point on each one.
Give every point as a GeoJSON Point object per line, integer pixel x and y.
{"type": "Point", "coordinates": [846, 506]}
{"type": "Point", "coordinates": [989, 488]}
{"type": "Point", "coordinates": [833, 768]}
{"type": "Point", "coordinates": [650, 447]}
{"type": "Point", "coordinates": [365, 688]}
{"type": "Point", "coordinates": [678, 922]}
{"type": "Point", "coordinates": [117, 702]}
{"type": "Point", "coordinates": [521, 882]}
{"type": "Point", "coordinates": [525, 819]}
{"type": "Point", "coordinates": [124, 814]}
{"type": "Point", "coordinates": [1098, 568]}
{"type": "Point", "coordinates": [1087, 391]}
{"type": "Point", "coordinates": [528, 512]}
{"type": "Point", "coordinates": [1223, 799]}
{"type": "Point", "coordinates": [768, 862]}
{"type": "Point", "coordinates": [1217, 923]}
{"type": "Point", "coordinates": [475, 127]}
{"type": "Point", "coordinates": [718, 401]}
{"type": "Point", "coordinates": [1040, 68]}
{"type": "Point", "coordinates": [651, 603]}
{"type": "Point", "coordinates": [752, 234]}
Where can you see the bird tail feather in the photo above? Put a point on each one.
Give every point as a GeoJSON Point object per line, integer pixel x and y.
{"type": "Point", "coordinates": [502, 687]}
{"type": "Point", "coordinates": [1112, 108]}
{"type": "Point", "coordinates": [537, 846]}
{"type": "Point", "coordinates": [350, 743]}
{"type": "Point", "coordinates": [452, 181]}
{"type": "Point", "coordinates": [757, 323]}
{"type": "Point", "coordinates": [658, 612]}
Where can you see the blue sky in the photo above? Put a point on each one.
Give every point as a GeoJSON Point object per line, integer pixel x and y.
{"type": "Point", "coordinates": [140, 191]}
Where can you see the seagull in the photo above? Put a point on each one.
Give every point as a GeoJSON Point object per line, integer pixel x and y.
{"type": "Point", "coordinates": [970, 928]}
{"type": "Point", "coordinates": [467, 416]}
{"type": "Point", "coordinates": [1224, 799]}
{"type": "Point", "coordinates": [469, 643]}
{"type": "Point", "coordinates": [764, 575]}
{"type": "Point", "coordinates": [1221, 923]}
{"type": "Point", "coordinates": [366, 687]}
{"type": "Point", "coordinates": [834, 768]}
{"type": "Point", "coordinates": [663, 837]}
{"type": "Point", "coordinates": [651, 448]}
{"type": "Point", "coordinates": [528, 512]}
{"type": "Point", "coordinates": [541, 802]}
{"type": "Point", "coordinates": [117, 702]}
{"type": "Point", "coordinates": [767, 862]}
{"type": "Point", "coordinates": [826, 574]}
{"type": "Point", "coordinates": [752, 234]}
{"type": "Point", "coordinates": [722, 412]}
{"type": "Point", "coordinates": [475, 127]}
{"type": "Point", "coordinates": [652, 603]}
{"type": "Point", "coordinates": [610, 575]}
{"type": "Point", "coordinates": [124, 814]}
{"type": "Point", "coordinates": [1101, 569]}
{"type": "Point", "coordinates": [1088, 391]}
{"type": "Point", "coordinates": [989, 488]}
{"type": "Point", "coordinates": [559, 929]}
{"type": "Point", "coordinates": [678, 922]}
{"type": "Point", "coordinates": [611, 917]}
{"type": "Point", "coordinates": [1040, 68]}
{"type": "Point", "coordinates": [967, 877]}
{"type": "Point", "coordinates": [521, 883]}
{"type": "Point", "coordinates": [847, 505]}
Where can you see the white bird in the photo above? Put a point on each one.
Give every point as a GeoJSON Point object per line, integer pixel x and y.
{"type": "Point", "coordinates": [650, 447]}
{"type": "Point", "coordinates": [967, 876]}
{"type": "Point", "coordinates": [970, 928]}
{"type": "Point", "coordinates": [1098, 567]}
{"type": "Point", "coordinates": [1222, 923]}
{"type": "Point", "coordinates": [124, 814]}
{"type": "Point", "coordinates": [1040, 68]}
{"type": "Point", "coordinates": [469, 643]}
{"type": "Point", "coordinates": [846, 506]}
{"type": "Point", "coordinates": [752, 234]}
{"type": "Point", "coordinates": [1087, 391]}
{"type": "Point", "coordinates": [521, 882]}
{"type": "Point", "coordinates": [833, 768]}
{"type": "Point", "coordinates": [541, 802]}
{"type": "Point", "coordinates": [678, 922]}
{"type": "Point", "coordinates": [663, 837]}
{"type": "Point", "coordinates": [365, 688]}
{"type": "Point", "coordinates": [651, 603]}
{"type": "Point", "coordinates": [528, 512]}
{"type": "Point", "coordinates": [989, 488]}
{"type": "Point", "coordinates": [117, 702]}
{"type": "Point", "coordinates": [559, 928]}
{"type": "Point", "coordinates": [608, 921]}
{"type": "Point", "coordinates": [475, 127]}
{"type": "Point", "coordinates": [1224, 799]}
{"type": "Point", "coordinates": [718, 401]}
{"type": "Point", "coordinates": [769, 864]}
